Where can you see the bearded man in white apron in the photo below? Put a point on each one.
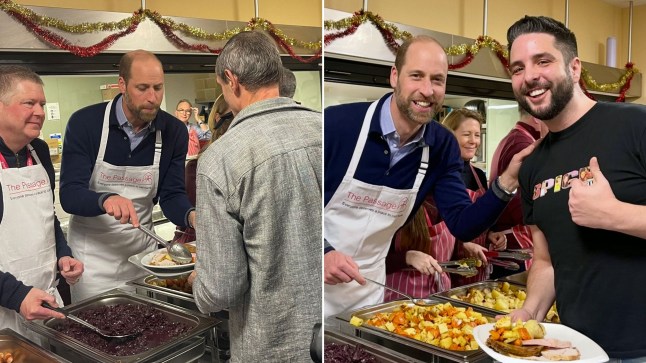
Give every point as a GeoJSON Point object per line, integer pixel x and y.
{"type": "Point", "coordinates": [118, 159]}
{"type": "Point", "coordinates": [32, 242]}
{"type": "Point", "coordinates": [378, 172]}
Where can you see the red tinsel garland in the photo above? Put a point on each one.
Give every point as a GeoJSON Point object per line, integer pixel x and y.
{"type": "Point", "coordinates": [468, 57]}
{"type": "Point", "coordinates": [329, 38]}
{"type": "Point", "coordinates": [59, 42]}
{"type": "Point", "coordinates": [622, 90]}
{"type": "Point", "coordinates": [271, 29]}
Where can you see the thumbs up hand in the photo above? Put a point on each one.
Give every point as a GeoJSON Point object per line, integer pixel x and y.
{"type": "Point", "coordinates": [592, 203]}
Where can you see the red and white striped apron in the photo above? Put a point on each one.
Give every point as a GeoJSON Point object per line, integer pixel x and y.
{"type": "Point", "coordinates": [483, 272]}
{"type": "Point", "coordinates": [414, 282]}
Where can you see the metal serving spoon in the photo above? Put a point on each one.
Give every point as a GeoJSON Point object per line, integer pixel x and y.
{"type": "Point", "coordinates": [88, 325]}
{"type": "Point", "coordinates": [419, 302]}
{"type": "Point", "coordinates": [177, 251]}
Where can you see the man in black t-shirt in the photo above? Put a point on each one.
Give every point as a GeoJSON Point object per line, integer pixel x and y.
{"type": "Point", "coordinates": [589, 238]}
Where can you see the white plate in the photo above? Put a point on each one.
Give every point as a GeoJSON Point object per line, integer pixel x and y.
{"type": "Point", "coordinates": [590, 351]}
{"type": "Point", "coordinates": [159, 271]}
{"type": "Point", "coordinates": [147, 258]}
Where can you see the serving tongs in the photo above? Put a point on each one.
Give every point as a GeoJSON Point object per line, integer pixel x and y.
{"type": "Point", "coordinates": [516, 255]}
{"type": "Point", "coordinates": [177, 251]}
{"type": "Point", "coordinates": [416, 301]}
{"type": "Point", "coordinates": [464, 262]}
{"type": "Point", "coordinates": [76, 319]}
{"type": "Point", "coordinates": [508, 265]}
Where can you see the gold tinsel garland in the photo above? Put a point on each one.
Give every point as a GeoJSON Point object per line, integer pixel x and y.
{"type": "Point", "coordinates": [360, 18]}
{"type": "Point", "coordinates": [81, 28]}
{"type": "Point", "coordinates": [482, 42]}
{"type": "Point", "coordinates": [607, 87]}
{"type": "Point", "coordinates": [195, 32]}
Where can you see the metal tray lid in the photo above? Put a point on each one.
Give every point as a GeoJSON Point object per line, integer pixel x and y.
{"type": "Point", "coordinates": [23, 350]}
{"type": "Point", "coordinates": [199, 323]}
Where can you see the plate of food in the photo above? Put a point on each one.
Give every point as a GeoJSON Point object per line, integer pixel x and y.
{"type": "Point", "coordinates": [530, 341]}
{"type": "Point", "coordinates": [160, 260]}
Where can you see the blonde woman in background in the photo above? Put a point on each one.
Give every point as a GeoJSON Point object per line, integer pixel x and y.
{"type": "Point", "coordinates": [466, 126]}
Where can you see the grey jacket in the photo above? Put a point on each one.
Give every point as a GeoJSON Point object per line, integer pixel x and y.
{"type": "Point", "coordinates": [259, 230]}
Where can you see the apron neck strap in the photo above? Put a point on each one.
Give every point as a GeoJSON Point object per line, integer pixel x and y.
{"type": "Point", "coordinates": [30, 158]}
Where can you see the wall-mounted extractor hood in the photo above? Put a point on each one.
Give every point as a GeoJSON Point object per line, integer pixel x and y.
{"type": "Point", "coordinates": [363, 58]}
{"type": "Point", "coordinates": [19, 46]}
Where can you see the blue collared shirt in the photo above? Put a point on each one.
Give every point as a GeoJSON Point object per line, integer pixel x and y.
{"type": "Point", "coordinates": [392, 136]}
{"type": "Point", "coordinates": [135, 138]}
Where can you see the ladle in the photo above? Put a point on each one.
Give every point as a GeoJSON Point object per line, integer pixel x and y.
{"type": "Point", "coordinates": [88, 325]}
{"type": "Point", "coordinates": [177, 251]}
{"type": "Point", "coordinates": [416, 301]}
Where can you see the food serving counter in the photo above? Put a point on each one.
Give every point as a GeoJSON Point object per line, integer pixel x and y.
{"type": "Point", "coordinates": [177, 292]}
{"type": "Point", "coordinates": [414, 350]}
{"type": "Point", "coordinates": [153, 345]}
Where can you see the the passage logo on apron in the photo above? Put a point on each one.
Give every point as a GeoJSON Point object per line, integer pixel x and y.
{"type": "Point", "coordinates": [142, 180]}
{"type": "Point", "coordinates": [27, 188]}
{"type": "Point", "coordinates": [392, 207]}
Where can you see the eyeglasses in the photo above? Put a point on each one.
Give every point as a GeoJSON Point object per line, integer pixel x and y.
{"type": "Point", "coordinates": [185, 111]}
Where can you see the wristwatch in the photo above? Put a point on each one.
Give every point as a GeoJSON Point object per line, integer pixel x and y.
{"type": "Point", "coordinates": [510, 193]}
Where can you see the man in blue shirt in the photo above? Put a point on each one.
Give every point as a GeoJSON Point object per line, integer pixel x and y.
{"type": "Point", "coordinates": [119, 159]}
{"type": "Point", "coordinates": [381, 160]}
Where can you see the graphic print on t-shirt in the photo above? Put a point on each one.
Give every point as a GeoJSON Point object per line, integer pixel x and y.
{"type": "Point", "coordinates": [562, 182]}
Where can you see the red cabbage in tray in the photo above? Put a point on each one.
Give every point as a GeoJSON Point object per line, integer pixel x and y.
{"type": "Point", "coordinates": [343, 353]}
{"type": "Point", "coordinates": [152, 324]}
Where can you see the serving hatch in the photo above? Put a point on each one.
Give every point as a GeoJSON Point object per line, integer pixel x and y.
{"type": "Point", "coordinates": [184, 348]}
{"type": "Point", "coordinates": [408, 346]}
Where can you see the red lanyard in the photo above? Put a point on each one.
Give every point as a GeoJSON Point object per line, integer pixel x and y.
{"type": "Point", "coordinates": [5, 165]}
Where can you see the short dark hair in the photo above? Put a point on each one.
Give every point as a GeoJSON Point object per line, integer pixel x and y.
{"type": "Point", "coordinates": [10, 74]}
{"type": "Point", "coordinates": [565, 40]}
{"type": "Point", "coordinates": [253, 57]}
{"type": "Point", "coordinates": [400, 58]}
{"type": "Point", "coordinates": [125, 64]}
{"type": "Point", "coordinates": [287, 87]}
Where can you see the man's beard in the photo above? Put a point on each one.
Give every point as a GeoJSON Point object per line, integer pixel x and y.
{"type": "Point", "coordinates": [139, 112]}
{"type": "Point", "coordinates": [404, 106]}
{"type": "Point", "coordinates": [561, 95]}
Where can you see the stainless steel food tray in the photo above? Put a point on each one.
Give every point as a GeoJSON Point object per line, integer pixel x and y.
{"type": "Point", "coordinates": [198, 322]}
{"type": "Point", "coordinates": [519, 278]}
{"type": "Point", "coordinates": [23, 350]}
{"type": "Point", "coordinates": [463, 290]}
{"type": "Point", "coordinates": [408, 346]}
{"type": "Point", "coordinates": [382, 354]}
{"type": "Point", "coordinates": [146, 282]}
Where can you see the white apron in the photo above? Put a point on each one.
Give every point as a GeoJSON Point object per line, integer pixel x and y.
{"type": "Point", "coordinates": [102, 242]}
{"type": "Point", "coordinates": [27, 237]}
{"type": "Point", "coordinates": [360, 221]}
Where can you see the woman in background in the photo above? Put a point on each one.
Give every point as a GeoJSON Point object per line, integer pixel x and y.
{"type": "Point", "coordinates": [219, 120]}
{"type": "Point", "coordinates": [466, 126]}
{"type": "Point", "coordinates": [196, 132]}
